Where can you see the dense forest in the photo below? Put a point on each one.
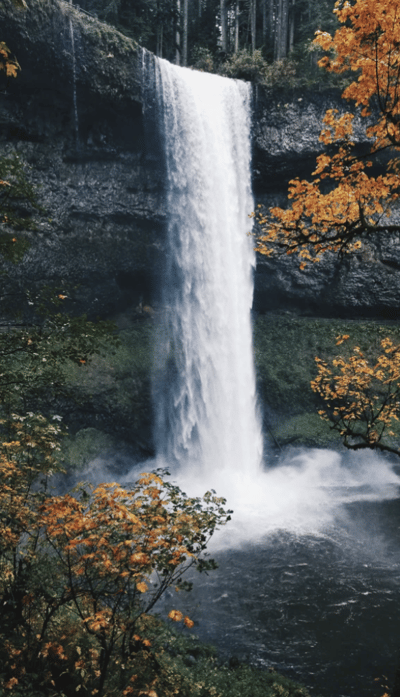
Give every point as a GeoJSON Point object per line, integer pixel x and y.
{"type": "Point", "coordinates": [208, 33]}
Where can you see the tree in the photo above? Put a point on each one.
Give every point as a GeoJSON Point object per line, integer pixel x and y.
{"type": "Point", "coordinates": [281, 30]}
{"type": "Point", "coordinates": [79, 574]}
{"type": "Point", "coordinates": [361, 396]}
{"type": "Point", "coordinates": [224, 24]}
{"type": "Point", "coordinates": [345, 204]}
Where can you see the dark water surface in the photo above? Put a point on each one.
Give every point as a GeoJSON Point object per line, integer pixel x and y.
{"type": "Point", "coordinates": [322, 609]}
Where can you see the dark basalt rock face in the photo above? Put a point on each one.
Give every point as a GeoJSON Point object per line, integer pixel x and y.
{"type": "Point", "coordinates": [366, 284]}
{"type": "Point", "coordinates": [101, 188]}
{"type": "Point", "coordinates": [102, 181]}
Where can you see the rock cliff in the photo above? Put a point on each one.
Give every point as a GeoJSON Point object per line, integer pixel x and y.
{"type": "Point", "coordinates": [76, 115]}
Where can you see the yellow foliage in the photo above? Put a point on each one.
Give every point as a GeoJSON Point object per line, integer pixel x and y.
{"type": "Point", "coordinates": [356, 203]}
{"type": "Point", "coordinates": [362, 400]}
{"type": "Point", "coordinates": [111, 553]}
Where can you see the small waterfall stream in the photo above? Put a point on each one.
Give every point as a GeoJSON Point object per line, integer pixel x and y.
{"type": "Point", "coordinates": [74, 96]}
{"type": "Point", "coordinates": [206, 415]}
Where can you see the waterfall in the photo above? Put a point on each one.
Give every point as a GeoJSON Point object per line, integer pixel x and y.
{"type": "Point", "coordinates": [204, 384]}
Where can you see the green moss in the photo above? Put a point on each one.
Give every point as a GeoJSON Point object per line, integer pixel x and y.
{"type": "Point", "coordinates": [84, 446]}
{"type": "Point", "coordinates": [304, 429]}
{"type": "Point", "coordinates": [113, 392]}
{"type": "Point", "coordinates": [285, 348]}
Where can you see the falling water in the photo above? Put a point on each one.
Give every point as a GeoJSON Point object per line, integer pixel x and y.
{"type": "Point", "coordinates": [74, 97]}
{"type": "Point", "coordinates": [206, 414]}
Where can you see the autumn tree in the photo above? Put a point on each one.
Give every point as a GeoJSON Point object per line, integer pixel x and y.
{"type": "Point", "coordinates": [350, 199]}
{"type": "Point", "coordinates": [345, 202]}
{"type": "Point", "coordinates": [361, 395]}
{"type": "Point", "coordinates": [79, 574]}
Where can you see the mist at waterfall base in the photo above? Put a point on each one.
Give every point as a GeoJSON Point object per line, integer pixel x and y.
{"type": "Point", "coordinates": [308, 577]}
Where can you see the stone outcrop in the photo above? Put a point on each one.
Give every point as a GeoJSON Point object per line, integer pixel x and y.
{"type": "Point", "coordinates": [74, 114]}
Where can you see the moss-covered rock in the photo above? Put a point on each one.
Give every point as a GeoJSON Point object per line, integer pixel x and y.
{"type": "Point", "coordinates": [112, 409]}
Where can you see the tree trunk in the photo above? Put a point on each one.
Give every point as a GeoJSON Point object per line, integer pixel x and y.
{"type": "Point", "coordinates": [281, 30]}
{"type": "Point", "coordinates": [264, 23]}
{"type": "Point", "coordinates": [291, 24]}
{"type": "Point", "coordinates": [159, 46]}
{"type": "Point", "coordinates": [178, 33]}
{"type": "Point", "coordinates": [237, 16]}
{"type": "Point", "coordinates": [224, 25]}
{"type": "Point", "coordinates": [272, 20]}
{"type": "Point", "coordinates": [185, 32]}
{"type": "Point", "coordinates": [253, 25]}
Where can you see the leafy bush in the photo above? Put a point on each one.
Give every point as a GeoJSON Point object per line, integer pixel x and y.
{"type": "Point", "coordinates": [282, 72]}
{"type": "Point", "coordinates": [245, 65]}
{"type": "Point", "coordinates": [202, 59]}
{"type": "Point", "coordinates": [79, 573]}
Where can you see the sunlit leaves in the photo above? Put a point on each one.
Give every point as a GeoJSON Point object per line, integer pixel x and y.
{"type": "Point", "coordinates": [343, 203]}
{"type": "Point", "coordinates": [362, 397]}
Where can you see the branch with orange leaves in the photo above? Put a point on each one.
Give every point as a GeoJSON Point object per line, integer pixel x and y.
{"type": "Point", "coordinates": [344, 204]}
{"type": "Point", "coordinates": [361, 400]}
{"type": "Point", "coordinates": [106, 555]}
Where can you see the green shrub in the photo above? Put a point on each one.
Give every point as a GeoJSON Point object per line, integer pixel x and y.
{"type": "Point", "coordinates": [282, 72]}
{"type": "Point", "coordinates": [245, 65]}
{"type": "Point", "coordinates": [202, 59]}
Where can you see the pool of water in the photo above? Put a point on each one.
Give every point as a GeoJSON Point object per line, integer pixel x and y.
{"type": "Point", "coordinates": [309, 568]}
{"type": "Point", "coordinates": [323, 608]}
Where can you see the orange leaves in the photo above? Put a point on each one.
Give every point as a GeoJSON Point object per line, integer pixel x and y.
{"type": "Point", "coordinates": [356, 204]}
{"type": "Point", "coordinates": [340, 339]}
{"type": "Point", "coordinates": [7, 63]}
{"type": "Point", "coordinates": [11, 683]}
{"type": "Point", "coordinates": [175, 616]}
{"type": "Point", "coordinates": [100, 557]}
{"type": "Point", "coordinates": [362, 400]}
{"type": "Point", "coordinates": [100, 621]}
{"type": "Point", "coordinates": [54, 650]}
{"type": "Point", "coordinates": [338, 127]}
{"type": "Point", "coordinates": [117, 539]}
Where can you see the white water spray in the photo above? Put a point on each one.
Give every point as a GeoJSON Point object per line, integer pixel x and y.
{"type": "Point", "coordinates": [206, 416]}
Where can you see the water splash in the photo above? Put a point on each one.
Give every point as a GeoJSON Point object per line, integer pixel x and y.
{"type": "Point", "coordinates": [305, 494]}
{"type": "Point", "coordinates": [204, 385]}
